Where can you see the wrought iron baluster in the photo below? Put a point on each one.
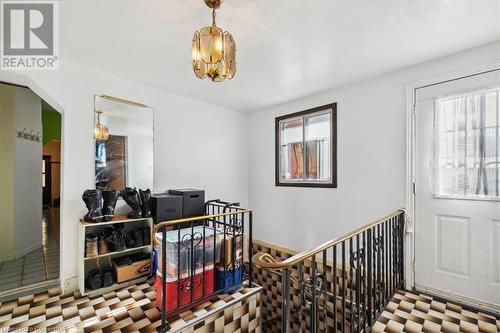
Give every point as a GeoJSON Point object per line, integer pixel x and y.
{"type": "Point", "coordinates": [300, 269]}
{"type": "Point", "coordinates": [334, 286]}
{"type": "Point", "coordinates": [233, 223]}
{"type": "Point", "coordinates": [179, 265]}
{"type": "Point", "coordinates": [351, 301]}
{"type": "Point", "coordinates": [285, 301]}
{"type": "Point", "coordinates": [203, 258]}
{"type": "Point", "coordinates": [243, 268]}
{"type": "Point", "coordinates": [193, 268]}
{"type": "Point", "coordinates": [224, 249]}
{"type": "Point", "coordinates": [359, 267]}
{"type": "Point", "coordinates": [401, 242]}
{"type": "Point", "coordinates": [324, 285]}
{"type": "Point", "coordinates": [391, 252]}
{"type": "Point", "coordinates": [343, 286]}
{"type": "Point", "coordinates": [386, 267]}
{"type": "Point", "coordinates": [250, 249]}
{"type": "Point", "coordinates": [369, 253]}
{"type": "Point", "coordinates": [395, 255]}
{"type": "Point", "coordinates": [314, 300]}
{"type": "Point", "coordinates": [164, 323]}
{"type": "Point", "coordinates": [378, 290]}
{"type": "Point", "coordinates": [364, 277]}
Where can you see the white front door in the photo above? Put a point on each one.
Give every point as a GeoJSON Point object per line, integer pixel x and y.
{"type": "Point", "coordinates": [457, 174]}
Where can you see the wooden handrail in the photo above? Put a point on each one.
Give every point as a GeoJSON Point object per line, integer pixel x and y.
{"type": "Point", "coordinates": [265, 260]}
{"type": "Point", "coordinates": [239, 210]}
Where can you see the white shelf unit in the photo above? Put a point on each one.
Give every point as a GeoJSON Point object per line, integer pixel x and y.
{"type": "Point", "coordinates": [87, 264]}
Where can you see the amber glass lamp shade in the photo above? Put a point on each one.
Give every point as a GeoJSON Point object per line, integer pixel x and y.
{"type": "Point", "coordinates": [214, 54]}
{"type": "Point", "coordinates": [101, 132]}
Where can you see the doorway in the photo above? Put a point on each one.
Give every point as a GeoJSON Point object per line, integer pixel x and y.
{"type": "Point", "coordinates": [457, 190]}
{"type": "Point", "coordinates": [30, 179]}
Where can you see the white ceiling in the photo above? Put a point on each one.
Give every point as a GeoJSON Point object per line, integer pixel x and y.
{"type": "Point", "coordinates": [286, 49]}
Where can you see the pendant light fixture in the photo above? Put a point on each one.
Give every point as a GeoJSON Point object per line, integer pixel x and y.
{"type": "Point", "coordinates": [214, 51]}
{"type": "Point", "coordinates": [101, 132]}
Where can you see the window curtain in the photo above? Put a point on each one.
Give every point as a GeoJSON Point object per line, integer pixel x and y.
{"type": "Point", "coordinates": [467, 145]}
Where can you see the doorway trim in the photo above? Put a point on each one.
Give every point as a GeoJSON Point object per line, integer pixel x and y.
{"type": "Point", "coordinates": [411, 160]}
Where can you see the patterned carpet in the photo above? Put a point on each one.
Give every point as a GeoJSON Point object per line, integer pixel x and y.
{"type": "Point", "coordinates": [410, 313]}
{"type": "Point", "coordinates": [130, 309]}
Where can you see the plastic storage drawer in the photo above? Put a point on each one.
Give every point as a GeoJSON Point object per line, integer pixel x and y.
{"type": "Point", "coordinates": [179, 256]}
{"type": "Point", "coordinates": [230, 280]}
{"type": "Point", "coordinates": [179, 291]}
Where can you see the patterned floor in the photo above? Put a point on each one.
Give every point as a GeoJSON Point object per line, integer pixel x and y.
{"type": "Point", "coordinates": [39, 265]}
{"type": "Point", "coordinates": [131, 309]}
{"type": "Point", "coordinates": [408, 312]}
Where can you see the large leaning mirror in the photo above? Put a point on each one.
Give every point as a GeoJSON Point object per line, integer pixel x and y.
{"type": "Point", "coordinates": [123, 144]}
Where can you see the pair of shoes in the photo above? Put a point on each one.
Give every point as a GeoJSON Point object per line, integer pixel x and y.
{"type": "Point", "coordinates": [100, 204]}
{"type": "Point", "coordinates": [100, 278]}
{"type": "Point", "coordinates": [140, 237]}
{"type": "Point", "coordinates": [139, 201]}
{"type": "Point", "coordinates": [95, 245]}
{"type": "Point", "coordinates": [130, 259]}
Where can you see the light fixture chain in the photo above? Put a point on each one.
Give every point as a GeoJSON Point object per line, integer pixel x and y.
{"type": "Point", "coordinates": [213, 17]}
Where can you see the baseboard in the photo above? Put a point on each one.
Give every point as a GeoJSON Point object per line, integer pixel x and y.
{"type": "Point", "coordinates": [27, 250]}
{"type": "Point", "coordinates": [468, 302]}
{"type": "Point", "coordinates": [28, 290]}
{"type": "Point", "coordinates": [21, 253]}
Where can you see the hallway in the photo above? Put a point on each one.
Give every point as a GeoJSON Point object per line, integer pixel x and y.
{"type": "Point", "coordinates": [39, 265]}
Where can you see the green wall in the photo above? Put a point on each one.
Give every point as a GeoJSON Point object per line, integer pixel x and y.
{"type": "Point", "coordinates": [51, 121]}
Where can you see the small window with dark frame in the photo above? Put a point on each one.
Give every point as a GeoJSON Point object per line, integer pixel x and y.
{"type": "Point", "coordinates": [306, 154]}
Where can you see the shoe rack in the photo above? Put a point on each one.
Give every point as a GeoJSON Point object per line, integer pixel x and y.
{"type": "Point", "coordinates": [86, 264]}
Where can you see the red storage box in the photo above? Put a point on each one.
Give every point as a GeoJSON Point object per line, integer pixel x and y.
{"type": "Point", "coordinates": [184, 289]}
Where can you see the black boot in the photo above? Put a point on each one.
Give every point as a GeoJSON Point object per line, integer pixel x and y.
{"type": "Point", "coordinates": [93, 201]}
{"type": "Point", "coordinates": [109, 202]}
{"type": "Point", "coordinates": [146, 236]}
{"type": "Point", "coordinates": [131, 240]}
{"type": "Point", "coordinates": [107, 277]}
{"type": "Point", "coordinates": [116, 240]}
{"type": "Point", "coordinates": [139, 240]}
{"type": "Point", "coordinates": [145, 202]}
{"type": "Point", "coordinates": [131, 197]}
{"type": "Point", "coordinates": [94, 279]}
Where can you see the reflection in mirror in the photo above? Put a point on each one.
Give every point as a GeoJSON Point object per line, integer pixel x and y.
{"type": "Point", "coordinates": [123, 144]}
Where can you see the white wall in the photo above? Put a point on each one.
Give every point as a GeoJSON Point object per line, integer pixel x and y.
{"type": "Point", "coordinates": [371, 157]}
{"type": "Point", "coordinates": [21, 169]}
{"type": "Point", "coordinates": [27, 173]}
{"type": "Point", "coordinates": [196, 144]}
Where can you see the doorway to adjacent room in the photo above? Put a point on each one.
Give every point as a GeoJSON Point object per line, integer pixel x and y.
{"type": "Point", "coordinates": [31, 179]}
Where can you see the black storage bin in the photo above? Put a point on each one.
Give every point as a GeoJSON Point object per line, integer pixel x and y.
{"type": "Point", "coordinates": [166, 207]}
{"type": "Point", "coordinates": [193, 201]}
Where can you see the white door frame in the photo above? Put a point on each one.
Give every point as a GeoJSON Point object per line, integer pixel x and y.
{"type": "Point", "coordinates": [411, 90]}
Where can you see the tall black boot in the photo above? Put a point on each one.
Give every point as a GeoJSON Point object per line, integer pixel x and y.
{"type": "Point", "coordinates": [109, 203]}
{"type": "Point", "coordinates": [93, 201]}
{"type": "Point", "coordinates": [145, 202]}
{"type": "Point", "coordinates": [131, 197]}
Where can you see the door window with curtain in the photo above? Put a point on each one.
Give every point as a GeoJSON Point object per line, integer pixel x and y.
{"type": "Point", "coordinates": [467, 145]}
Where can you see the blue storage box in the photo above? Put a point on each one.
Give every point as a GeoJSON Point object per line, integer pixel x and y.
{"type": "Point", "coordinates": [225, 280]}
